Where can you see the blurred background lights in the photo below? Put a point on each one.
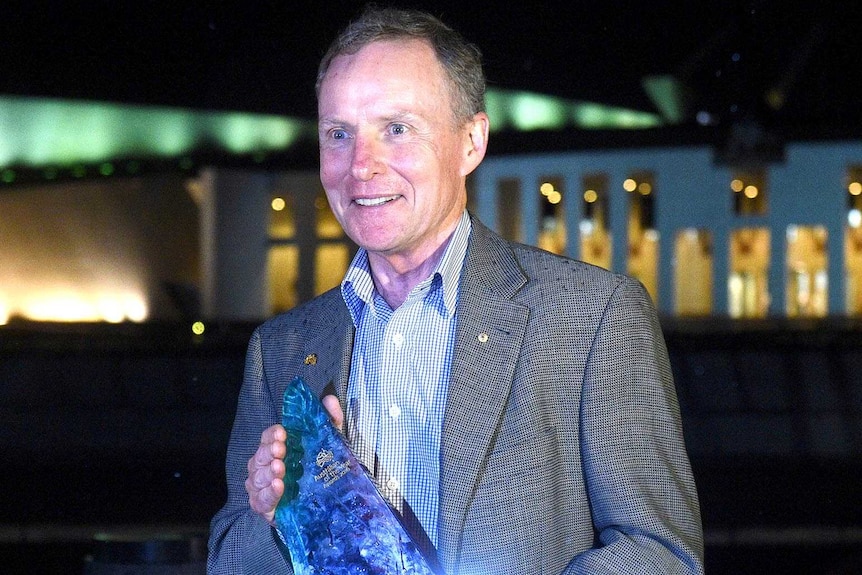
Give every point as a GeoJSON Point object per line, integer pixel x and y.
{"type": "Point", "coordinates": [527, 111]}
{"type": "Point", "coordinates": [750, 192]}
{"type": "Point", "coordinates": [590, 196]}
{"type": "Point", "coordinates": [70, 305]}
{"type": "Point", "coordinates": [855, 188]}
{"type": "Point", "coordinates": [854, 218]}
{"type": "Point", "coordinates": [551, 194]}
{"type": "Point", "coordinates": [535, 112]}
{"type": "Point", "coordinates": [737, 185]}
{"type": "Point", "coordinates": [198, 328]}
{"type": "Point", "coordinates": [630, 185]}
{"type": "Point", "coordinates": [278, 204]}
{"type": "Point", "coordinates": [35, 132]}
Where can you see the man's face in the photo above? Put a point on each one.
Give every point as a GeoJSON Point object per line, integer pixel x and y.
{"type": "Point", "coordinates": [393, 161]}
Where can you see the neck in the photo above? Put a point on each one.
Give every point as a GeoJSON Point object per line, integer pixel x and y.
{"type": "Point", "coordinates": [396, 276]}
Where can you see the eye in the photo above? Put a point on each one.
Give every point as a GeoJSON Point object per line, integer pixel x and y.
{"type": "Point", "coordinates": [397, 129]}
{"type": "Point", "coordinates": [338, 134]}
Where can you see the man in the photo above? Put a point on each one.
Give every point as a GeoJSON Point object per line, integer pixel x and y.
{"type": "Point", "coordinates": [516, 405]}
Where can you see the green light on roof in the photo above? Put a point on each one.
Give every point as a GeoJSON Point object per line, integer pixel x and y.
{"type": "Point", "coordinates": [106, 169]}
{"type": "Point", "coordinates": [36, 132]}
{"type": "Point", "coordinates": [526, 111]}
{"type": "Point", "coordinates": [537, 112]}
{"type": "Point", "coordinates": [669, 95]}
{"type": "Point", "coordinates": [495, 105]}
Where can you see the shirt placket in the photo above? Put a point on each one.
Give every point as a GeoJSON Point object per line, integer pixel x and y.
{"type": "Point", "coordinates": [394, 426]}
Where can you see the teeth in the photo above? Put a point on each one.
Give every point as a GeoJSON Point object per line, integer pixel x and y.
{"type": "Point", "coordinates": [374, 201]}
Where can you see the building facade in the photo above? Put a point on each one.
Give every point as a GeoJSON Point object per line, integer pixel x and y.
{"type": "Point", "coordinates": [778, 238]}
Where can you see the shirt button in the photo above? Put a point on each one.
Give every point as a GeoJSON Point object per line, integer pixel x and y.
{"type": "Point", "coordinates": [393, 484]}
{"type": "Point", "coordinates": [394, 411]}
{"type": "Point", "coordinates": [398, 340]}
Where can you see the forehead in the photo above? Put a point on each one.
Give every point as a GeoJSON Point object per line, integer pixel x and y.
{"type": "Point", "coordinates": [397, 61]}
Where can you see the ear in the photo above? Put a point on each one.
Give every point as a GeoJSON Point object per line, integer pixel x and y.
{"type": "Point", "coordinates": [475, 142]}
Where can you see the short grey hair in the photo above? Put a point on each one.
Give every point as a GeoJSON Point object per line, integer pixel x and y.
{"type": "Point", "coordinates": [461, 60]}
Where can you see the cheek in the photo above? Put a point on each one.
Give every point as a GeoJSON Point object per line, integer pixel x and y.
{"type": "Point", "coordinates": [330, 178]}
{"type": "Point", "coordinates": [332, 164]}
{"type": "Point", "coordinates": [420, 167]}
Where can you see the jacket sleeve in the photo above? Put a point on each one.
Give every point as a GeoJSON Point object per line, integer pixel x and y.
{"type": "Point", "coordinates": [641, 490]}
{"type": "Point", "coordinates": [240, 540]}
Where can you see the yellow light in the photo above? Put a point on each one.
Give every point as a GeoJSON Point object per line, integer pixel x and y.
{"type": "Point", "coordinates": [644, 188]}
{"type": "Point", "coordinates": [691, 234]}
{"type": "Point", "coordinates": [590, 196]}
{"type": "Point", "coordinates": [546, 188]}
{"type": "Point", "coordinates": [855, 188]}
{"type": "Point", "coordinates": [198, 328]}
{"type": "Point", "coordinates": [70, 304]}
{"type": "Point", "coordinates": [751, 192]}
{"type": "Point", "coordinates": [135, 308]}
{"type": "Point", "coordinates": [736, 185]}
{"type": "Point", "coordinates": [278, 204]}
{"type": "Point", "coordinates": [110, 310]}
{"type": "Point", "coordinates": [630, 185]}
{"type": "Point", "coordinates": [555, 197]}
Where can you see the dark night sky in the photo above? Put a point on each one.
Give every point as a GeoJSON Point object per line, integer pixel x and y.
{"type": "Point", "coordinates": [261, 55]}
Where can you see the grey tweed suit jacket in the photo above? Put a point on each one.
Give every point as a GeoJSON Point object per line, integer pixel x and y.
{"type": "Point", "coordinates": [562, 447]}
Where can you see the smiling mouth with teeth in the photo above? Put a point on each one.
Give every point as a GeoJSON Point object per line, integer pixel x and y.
{"type": "Point", "coordinates": [374, 201]}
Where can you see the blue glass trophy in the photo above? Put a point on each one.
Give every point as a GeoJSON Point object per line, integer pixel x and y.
{"type": "Point", "coordinates": [331, 515]}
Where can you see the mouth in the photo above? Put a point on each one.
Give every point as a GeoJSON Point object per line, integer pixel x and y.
{"type": "Point", "coordinates": [370, 202]}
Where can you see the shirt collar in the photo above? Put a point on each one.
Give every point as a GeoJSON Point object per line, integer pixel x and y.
{"type": "Point", "coordinates": [357, 287]}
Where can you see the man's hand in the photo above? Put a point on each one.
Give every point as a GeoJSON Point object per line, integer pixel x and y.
{"type": "Point", "coordinates": [265, 483]}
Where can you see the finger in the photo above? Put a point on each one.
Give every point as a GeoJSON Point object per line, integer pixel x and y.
{"type": "Point", "coordinates": [336, 415]}
{"type": "Point", "coordinates": [272, 446]}
{"type": "Point", "coordinates": [275, 492]}
{"type": "Point", "coordinates": [262, 480]}
{"type": "Point", "coordinates": [273, 433]}
{"type": "Point", "coordinates": [261, 458]}
{"type": "Point", "coordinates": [264, 501]}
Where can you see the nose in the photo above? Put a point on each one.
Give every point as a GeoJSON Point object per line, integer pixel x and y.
{"type": "Point", "coordinates": [367, 161]}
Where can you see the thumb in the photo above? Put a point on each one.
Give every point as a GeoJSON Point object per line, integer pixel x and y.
{"type": "Point", "coordinates": [332, 405]}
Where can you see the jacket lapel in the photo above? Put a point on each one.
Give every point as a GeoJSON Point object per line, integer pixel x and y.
{"type": "Point", "coordinates": [489, 334]}
{"type": "Point", "coordinates": [327, 348]}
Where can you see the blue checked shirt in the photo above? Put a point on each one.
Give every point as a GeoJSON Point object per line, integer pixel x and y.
{"type": "Point", "coordinates": [399, 378]}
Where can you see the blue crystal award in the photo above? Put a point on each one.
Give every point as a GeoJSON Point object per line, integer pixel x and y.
{"type": "Point", "coordinates": [331, 515]}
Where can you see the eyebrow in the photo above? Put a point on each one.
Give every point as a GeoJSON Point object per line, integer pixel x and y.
{"type": "Point", "coordinates": [397, 116]}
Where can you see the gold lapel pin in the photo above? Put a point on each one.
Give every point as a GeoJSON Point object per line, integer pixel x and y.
{"type": "Point", "coordinates": [311, 359]}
